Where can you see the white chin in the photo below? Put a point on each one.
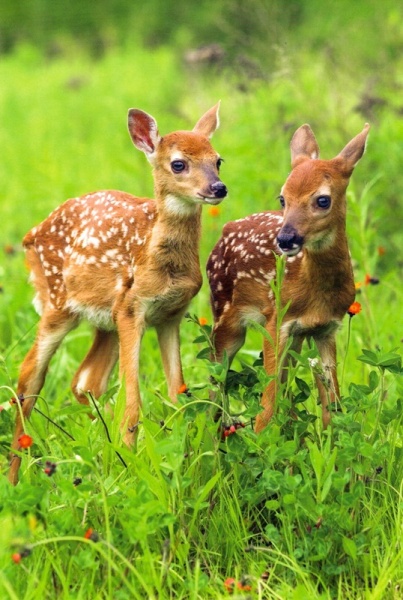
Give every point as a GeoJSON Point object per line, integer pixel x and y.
{"type": "Point", "coordinates": [213, 201]}
{"type": "Point", "coordinates": [291, 251]}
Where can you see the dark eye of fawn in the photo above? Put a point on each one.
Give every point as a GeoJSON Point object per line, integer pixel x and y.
{"type": "Point", "coordinates": [178, 166]}
{"type": "Point", "coordinates": [323, 201]}
{"type": "Point", "coordinates": [282, 201]}
{"type": "Point", "coordinates": [219, 163]}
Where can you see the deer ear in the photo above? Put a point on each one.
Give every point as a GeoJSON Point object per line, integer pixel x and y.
{"type": "Point", "coordinates": [209, 122]}
{"type": "Point", "coordinates": [143, 130]}
{"type": "Point", "coordinates": [303, 145]}
{"type": "Point", "coordinates": [351, 154]}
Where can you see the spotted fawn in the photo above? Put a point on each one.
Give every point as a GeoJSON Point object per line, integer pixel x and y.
{"type": "Point", "coordinates": [310, 231]}
{"type": "Point", "coordinates": [123, 263]}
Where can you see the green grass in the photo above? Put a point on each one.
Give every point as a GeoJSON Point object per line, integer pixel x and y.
{"type": "Point", "coordinates": [319, 513]}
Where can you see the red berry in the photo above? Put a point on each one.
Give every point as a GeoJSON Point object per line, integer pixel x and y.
{"type": "Point", "coordinates": [232, 429]}
{"type": "Point", "coordinates": [16, 557]}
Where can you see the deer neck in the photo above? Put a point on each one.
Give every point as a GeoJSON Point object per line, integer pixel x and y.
{"type": "Point", "coordinates": [174, 241]}
{"type": "Point", "coordinates": [329, 267]}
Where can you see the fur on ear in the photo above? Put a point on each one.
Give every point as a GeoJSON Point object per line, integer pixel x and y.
{"type": "Point", "coordinates": [351, 154]}
{"type": "Point", "coordinates": [209, 122]}
{"type": "Point", "coordinates": [143, 130]}
{"type": "Point", "coordinates": [303, 145]}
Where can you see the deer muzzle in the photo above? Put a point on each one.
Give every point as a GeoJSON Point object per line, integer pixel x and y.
{"type": "Point", "coordinates": [289, 241]}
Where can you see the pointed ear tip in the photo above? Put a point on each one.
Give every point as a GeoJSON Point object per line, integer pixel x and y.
{"type": "Point", "coordinates": [217, 106]}
{"type": "Point", "coordinates": [305, 127]}
{"type": "Point", "coordinates": [132, 112]}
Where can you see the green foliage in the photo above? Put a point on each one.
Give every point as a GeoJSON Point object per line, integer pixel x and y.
{"type": "Point", "coordinates": [298, 512]}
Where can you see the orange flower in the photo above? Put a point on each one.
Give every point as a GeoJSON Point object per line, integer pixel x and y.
{"type": "Point", "coordinates": [92, 535]}
{"type": "Point", "coordinates": [182, 388]}
{"type": "Point", "coordinates": [381, 250]}
{"type": "Point", "coordinates": [203, 321]}
{"type": "Point", "coordinates": [244, 586]}
{"type": "Point", "coordinates": [354, 309]}
{"type": "Point", "coordinates": [25, 441]}
{"type": "Point", "coordinates": [16, 557]}
{"type": "Point", "coordinates": [214, 211]}
{"type": "Point", "coordinates": [23, 553]}
{"type": "Point", "coordinates": [367, 279]}
{"type": "Point", "coordinates": [229, 584]}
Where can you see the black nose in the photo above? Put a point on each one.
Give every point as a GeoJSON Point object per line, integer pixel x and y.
{"type": "Point", "coordinates": [288, 239]}
{"type": "Point", "coordinates": [219, 189]}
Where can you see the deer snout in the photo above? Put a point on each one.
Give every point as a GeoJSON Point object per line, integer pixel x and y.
{"type": "Point", "coordinates": [289, 241]}
{"type": "Point", "coordinates": [218, 189]}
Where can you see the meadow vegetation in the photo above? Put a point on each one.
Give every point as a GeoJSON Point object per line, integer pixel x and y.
{"type": "Point", "coordinates": [295, 512]}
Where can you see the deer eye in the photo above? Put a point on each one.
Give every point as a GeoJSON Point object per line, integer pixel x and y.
{"type": "Point", "coordinates": [178, 166]}
{"type": "Point", "coordinates": [323, 201]}
{"type": "Point", "coordinates": [219, 163]}
{"type": "Point", "coordinates": [282, 201]}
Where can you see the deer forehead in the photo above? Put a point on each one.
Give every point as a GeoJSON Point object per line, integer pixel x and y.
{"type": "Point", "coordinates": [187, 145]}
{"type": "Point", "coordinates": [313, 177]}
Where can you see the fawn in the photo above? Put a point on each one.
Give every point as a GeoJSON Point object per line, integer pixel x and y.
{"type": "Point", "coordinates": [318, 281]}
{"type": "Point", "coordinates": [123, 263]}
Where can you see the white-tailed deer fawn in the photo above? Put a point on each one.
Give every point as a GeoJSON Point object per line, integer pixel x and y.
{"type": "Point", "coordinates": [318, 281]}
{"type": "Point", "coordinates": [123, 263]}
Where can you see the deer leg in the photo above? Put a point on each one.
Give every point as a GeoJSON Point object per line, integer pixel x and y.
{"type": "Point", "coordinates": [326, 381]}
{"type": "Point", "coordinates": [130, 330]}
{"type": "Point", "coordinates": [93, 373]}
{"type": "Point", "coordinates": [53, 327]}
{"type": "Point", "coordinates": [168, 339]}
{"type": "Point", "coordinates": [228, 336]}
{"type": "Point", "coordinates": [275, 364]}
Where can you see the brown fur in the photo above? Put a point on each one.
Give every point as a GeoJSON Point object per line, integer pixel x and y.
{"type": "Point", "coordinates": [318, 281]}
{"type": "Point", "coordinates": [124, 263]}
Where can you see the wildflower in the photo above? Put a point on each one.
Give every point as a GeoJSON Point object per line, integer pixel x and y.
{"type": "Point", "coordinates": [50, 468]}
{"type": "Point", "coordinates": [357, 285]}
{"type": "Point", "coordinates": [25, 441]}
{"type": "Point", "coordinates": [214, 211]}
{"type": "Point", "coordinates": [244, 585]}
{"type": "Point", "coordinates": [92, 535]}
{"type": "Point", "coordinates": [229, 584]}
{"type": "Point", "coordinates": [354, 309]}
{"type": "Point", "coordinates": [18, 556]}
{"type": "Point", "coordinates": [203, 321]}
{"type": "Point", "coordinates": [183, 389]}
{"type": "Point", "coordinates": [381, 250]}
